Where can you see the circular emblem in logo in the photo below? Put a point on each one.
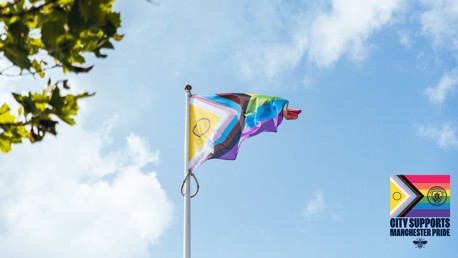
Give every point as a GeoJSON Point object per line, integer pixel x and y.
{"type": "Point", "coordinates": [437, 196]}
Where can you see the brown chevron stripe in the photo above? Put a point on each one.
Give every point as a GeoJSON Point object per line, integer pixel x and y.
{"type": "Point", "coordinates": [236, 132]}
{"type": "Point", "coordinates": [417, 199]}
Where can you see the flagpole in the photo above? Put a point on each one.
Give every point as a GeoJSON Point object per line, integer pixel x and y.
{"type": "Point", "coordinates": [187, 193]}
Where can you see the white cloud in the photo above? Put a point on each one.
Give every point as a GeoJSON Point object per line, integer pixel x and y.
{"type": "Point", "coordinates": [447, 84]}
{"type": "Point", "coordinates": [269, 61]}
{"type": "Point", "coordinates": [318, 208]}
{"type": "Point", "coordinates": [321, 35]}
{"type": "Point", "coordinates": [440, 23]}
{"type": "Point", "coordinates": [405, 39]}
{"type": "Point", "coordinates": [336, 218]}
{"type": "Point", "coordinates": [445, 136]}
{"type": "Point", "coordinates": [64, 198]}
{"type": "Point", "coordinates": [315, 207]}
{"type": "Point", "coordinates": [346, 29]}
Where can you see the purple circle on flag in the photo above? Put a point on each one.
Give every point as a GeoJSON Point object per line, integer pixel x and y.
{"type": "Point", "coordinates": [204, 124]}
{"type": "Point", "coordinates": [397, 196]}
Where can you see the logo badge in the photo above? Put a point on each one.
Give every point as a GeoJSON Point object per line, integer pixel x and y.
{"type": "Point", "coordinates": [437, 195]}
{"type": "Point", "coordinates": [420, 196]}
{"type": "Point", "coordinates": [420, 207]}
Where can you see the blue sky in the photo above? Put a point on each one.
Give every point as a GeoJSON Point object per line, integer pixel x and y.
{"type": "Point", "coordinates": [376, 80]}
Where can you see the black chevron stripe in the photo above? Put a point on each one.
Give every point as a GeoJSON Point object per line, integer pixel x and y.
{"type": "Point", "coordinates": [417, 199]}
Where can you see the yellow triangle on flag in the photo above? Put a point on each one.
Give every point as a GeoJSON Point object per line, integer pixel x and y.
{"type": "Point", "coordinates": [398, 196]}
{"type": "Point", "coordinates": [201, 128]}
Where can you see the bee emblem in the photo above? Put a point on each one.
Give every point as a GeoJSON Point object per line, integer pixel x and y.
{"type": "Point", "coordinates": [420, 243]}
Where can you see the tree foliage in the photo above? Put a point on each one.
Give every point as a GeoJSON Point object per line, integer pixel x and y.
{"type": "Point", "coordinates": [39, 35]}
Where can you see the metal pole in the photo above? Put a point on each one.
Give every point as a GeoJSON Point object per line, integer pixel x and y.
{"type": "Point", "coordinates": [187, 195]}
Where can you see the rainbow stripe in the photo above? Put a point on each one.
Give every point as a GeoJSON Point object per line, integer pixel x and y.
{"type": "Point", "coordinates": [220, 123]}
{"type": "Point", "coordinates": [436, 191]}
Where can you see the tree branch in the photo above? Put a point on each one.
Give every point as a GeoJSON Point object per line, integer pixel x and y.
{"type": "Point", "coordinates": [15, 124]}
{"type": "Point", "coordinates": [29, 72]}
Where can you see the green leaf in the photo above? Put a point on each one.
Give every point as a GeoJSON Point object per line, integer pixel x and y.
{"type": "Point", "coordinates": [17, 55]}
{"type": "Point", "coordinates": [5, 115]}
{"type": "Point", "coordinates": [38, 68]}
{"type": "Point", "coordinates": [12, 134]}
{"type": "Point", "coordinates": [18, 32]}
{"type": "Point", "coordinates": [60, 30]}
{"type": "Point", "coordinates": [118, 37]}
{"type": "Point", "coordinates": [22, 132]}
{"type": "Point", "coordinates": [56, 101]}
{"type": "Point", "coordinates": [40, 101]}
{"type": "Point", "coordinates": [115, 19]}
{"type": "Point", "coordinates": [47, 125]}
{"type": "Point", "coordinates": [82, 69]}
{"type": "Point", "coordinates": [5, 144]}
{"type": "Point", "coordinates": [26, 102]}
{"type": "Point", "coordinates": [92, 11]}
{"type": "Point", "coordinates": [65, 2]}
{"type": "Point", "coordinates": [53, 37]}
{"type": "Point", "coordinates": [15, 46]}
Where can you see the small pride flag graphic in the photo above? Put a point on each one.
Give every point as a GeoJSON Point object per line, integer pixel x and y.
{"type": "Point", "coordinates": [420, 196]}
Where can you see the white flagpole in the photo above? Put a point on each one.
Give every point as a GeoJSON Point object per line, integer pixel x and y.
{"type": "Point", "coordinates": [187, 193]}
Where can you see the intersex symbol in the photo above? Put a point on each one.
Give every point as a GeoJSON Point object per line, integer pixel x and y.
{"type": "Point", "coordinates": [397, 196]}
{"type": "Point", "coordinates": [203, 125]}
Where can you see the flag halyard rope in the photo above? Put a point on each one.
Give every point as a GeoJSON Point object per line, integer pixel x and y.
{"type": "Point", "coordinates": [195, 180]}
